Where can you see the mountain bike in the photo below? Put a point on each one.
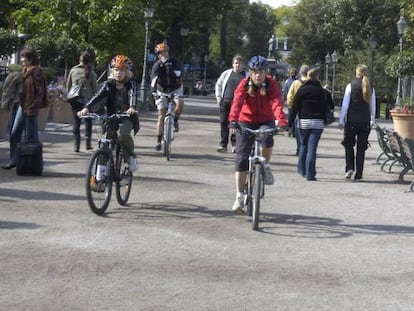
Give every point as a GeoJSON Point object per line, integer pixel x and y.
{"type": "Point", "coordinates": [254, 187]}
{"type": "Point", "coordinates": [107, 165]}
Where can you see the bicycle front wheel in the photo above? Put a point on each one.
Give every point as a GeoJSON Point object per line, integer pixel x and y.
{"type": "Point", "coordinates": [168, 127]}
{"type": "Point", "coordinates": [257, 191]}
{"type": "Point", "coordinates": [248, 190]}
{"type": "Point", "coordinates": [124, 181]}
{"type": "Point", "coordinates": [98, 192]}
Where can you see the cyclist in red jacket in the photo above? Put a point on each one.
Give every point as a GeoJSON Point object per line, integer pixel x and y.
{"type": "Point", "coordinates": [257, 104]}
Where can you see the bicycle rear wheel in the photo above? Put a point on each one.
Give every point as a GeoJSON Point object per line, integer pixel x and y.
{"type": "Point", "coordinates": [98, 192]}
{"type": "Point", "coordinates": [168, 137]}
{"type": "Point", "coordinates": [257, 191]}
{"type": "Point", "coordinates": [124, 181]}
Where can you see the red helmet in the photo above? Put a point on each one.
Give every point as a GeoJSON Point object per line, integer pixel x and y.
{"type": "Point", "coordinates": [161, 47]}
{"type": "Point", "coordinates": [121, 61]}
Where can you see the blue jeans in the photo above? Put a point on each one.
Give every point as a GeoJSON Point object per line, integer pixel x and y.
{"type": "Point", "coordinates": [22, 123]}
{"type": "Point", "coordinates": [307, 152]}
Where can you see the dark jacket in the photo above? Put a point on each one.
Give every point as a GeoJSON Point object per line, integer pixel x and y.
{"type": "Point", "coordinates": [310, 102]}
{"type": "Point", "coordinates": [34, 90]}
{"type": "Point", "coordinates": [108, 91]}
{"type": "Point", "coordinates": [164, 77]}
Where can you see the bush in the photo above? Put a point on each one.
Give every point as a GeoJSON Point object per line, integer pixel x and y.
{"type": "Point", "coordinates": [400, 65]}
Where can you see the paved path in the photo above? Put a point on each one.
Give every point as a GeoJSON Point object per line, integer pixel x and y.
{"type": "Point", "coordinates": [325, 245]}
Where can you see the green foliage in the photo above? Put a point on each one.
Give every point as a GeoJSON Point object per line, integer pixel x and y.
{"type": "Point", "coordinates": [8, 41]}
{"type": "Point", "coordinates": [400, 65]}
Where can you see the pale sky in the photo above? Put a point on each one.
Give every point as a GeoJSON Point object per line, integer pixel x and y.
{"type": "Point", "coordinates": [277, 3]}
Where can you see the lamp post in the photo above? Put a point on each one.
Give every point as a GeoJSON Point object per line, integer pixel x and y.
{"type": "Point", "coordinates": [327, 62]}
{"type": "Point", "coordinates": [334, 58]}
{"type": "Point", "coordinates": [373, 44]}
{"type": "Point", "coordinates": [401, 28]}
{"type": "Point", "coordinates": [148, 14]}
{"type": "Point", "coordinates": [184, 30]}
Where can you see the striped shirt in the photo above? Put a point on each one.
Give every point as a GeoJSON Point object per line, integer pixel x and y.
{"type": "Point", "coordinates": [306, 124]}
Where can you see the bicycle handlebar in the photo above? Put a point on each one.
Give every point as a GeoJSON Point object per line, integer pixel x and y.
{"type": "Point", "coordinates": [95, 116]}
{"type": "Point", "coordinates": [270, 131]}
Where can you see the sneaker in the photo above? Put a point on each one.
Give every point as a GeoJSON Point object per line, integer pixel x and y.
{"type": "Point", "coordinates": [158, 147]}
{"type": "Point", "coordinates": [268, 176]}
{"type": "Point", "coordinates": [233, 149]}
{"type": "Point", "coordinates": [348, 174]}
{"type": "Point", "coordinates": [221, 149]}
{"type": "Point", "coordinates": [176, 127]}
{"type": "Point", "coordinates": [133, 164]}
{"type": "Point", "coordinates": [359, 179]}
{"type": "Point", "coordinates": [238, 206]}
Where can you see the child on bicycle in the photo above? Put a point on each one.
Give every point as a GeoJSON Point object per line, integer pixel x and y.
{"type": "Point", "coordinates": [166, 79]}
{"type": "Point", "coordinates": [257, 104]}
{"type": "Point", "coordinates": [120, 94]}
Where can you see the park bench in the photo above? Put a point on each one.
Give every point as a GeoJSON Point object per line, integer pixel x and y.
{"type": "Point", "coordinates": [385, 149]}
{"type": "Point", "coordinates": [408, 146]}
{"type": "Point", "coordinates": [400, 151]}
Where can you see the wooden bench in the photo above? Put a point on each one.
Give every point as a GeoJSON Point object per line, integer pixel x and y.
{"type": "Point", "coordinates": [408, 147]}
{"type": "Point", "coordinates": [385, 148]}
{"type": "Point", "coordinates": [400, 151]}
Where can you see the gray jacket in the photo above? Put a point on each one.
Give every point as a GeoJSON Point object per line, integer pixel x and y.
{"type": "Point", "coordinates": [12, 90]}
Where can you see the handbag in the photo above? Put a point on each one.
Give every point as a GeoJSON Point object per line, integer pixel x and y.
{"type": "Point", "coordinates": [74, 92]}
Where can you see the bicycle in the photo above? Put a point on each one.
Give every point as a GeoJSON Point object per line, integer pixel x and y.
{"type": "Point", "coordinates": [254, 187]}
{"type": "Point", "coordinates": [107, 165]}
{"type": "Point", "coordinates": [168, 135]}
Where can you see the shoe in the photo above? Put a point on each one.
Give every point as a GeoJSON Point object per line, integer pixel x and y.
{"type": "Point", "coordinates": [89, 147]}
{"type": "Point", "coordinates": [233, 149]}
{"type": "Point", "coordinates": [359, 179]}
{"type": "Point", "coordinates": [222, 149]}
{"type": "Point", "coordinates": [348, 174]}
{"type": "Point", "coordinates": [133, 164]}
{"type": "Point", "coordinates": [176, 127]}
{"type": "Point", "coordinates": [8, 166]}
{"type": "Point", "coordinates": [238, 206]}
{"type": "Point", "coordinates": [158, 147]}
{"type": "Point", "coordinates": [268, 176]}
{"type": "Point", "coordinates": [311, 179]}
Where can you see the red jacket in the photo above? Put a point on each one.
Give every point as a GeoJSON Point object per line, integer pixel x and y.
{"type": "Point", "coordinates": [258, 109]}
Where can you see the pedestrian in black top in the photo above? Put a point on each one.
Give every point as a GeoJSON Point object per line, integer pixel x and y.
{"type": "Point", "coordinates": [357, 117]}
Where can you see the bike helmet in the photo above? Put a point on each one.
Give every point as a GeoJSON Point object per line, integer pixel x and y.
{"type": "Point", "coordinates": [161, 47]}
{"type": "Point", "coordinates": [257, 63]}
{"type": "Point", "coordinates": [121, 61]}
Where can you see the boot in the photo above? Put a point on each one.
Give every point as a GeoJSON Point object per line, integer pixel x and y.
{"type": "Point", "coordinates": [76, 143]}
{"type": "Point", "coordinates": [88, 134]}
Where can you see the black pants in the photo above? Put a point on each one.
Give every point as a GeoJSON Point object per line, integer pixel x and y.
{"type": "Point", "coordinates": [355, 133]}
{"type": "Point", "coordinates": [224, 124]}
{"type": "Point", "coordinates": [76, 127]}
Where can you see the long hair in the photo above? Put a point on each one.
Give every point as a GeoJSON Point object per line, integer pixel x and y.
{"type": "Point", "coordinates": [251, 88]}
{"type": "Point", "coordinates": [86, 59]}
{"type": "Point", "coordinates": [362, 72]}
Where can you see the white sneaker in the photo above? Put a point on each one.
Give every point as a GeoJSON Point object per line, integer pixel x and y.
{"type": "Point", "coordinates": [348, 174]}
{"type": "Point", "coordinates": [233, 149]}
{"type": "Point", "coordinates": [268, 176]}
{"type": "Point", "coordinates": [238, 206]}
{"type": "Point", "coordinates": [133, 164]}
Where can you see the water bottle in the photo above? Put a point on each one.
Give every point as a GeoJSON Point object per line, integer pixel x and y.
{"type": "Point", "coordinates": [100, 173]}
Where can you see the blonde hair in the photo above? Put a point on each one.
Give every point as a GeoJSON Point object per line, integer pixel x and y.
{"type": "Point", "coordinates": [362, 72]}
{"type": "Point", "coordinates": [251, 88]}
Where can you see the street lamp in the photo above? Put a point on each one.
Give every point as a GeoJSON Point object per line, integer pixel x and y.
{"type": "Point", "coordinates": [401, 27]}
{"type": "Point", "coordinates": [148, 14]}
{"type": "Point", "coordinates": [334, 58]}
{"type": "Point", "coordinates": [373, 44]}
{"type": "Point", "coordinates": [327, 62]}
{"type": "Point", "coordinates": [184, 30]}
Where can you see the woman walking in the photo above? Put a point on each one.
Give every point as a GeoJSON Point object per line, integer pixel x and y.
{"type": "Point", "coordinates": [356, 119]}
{"type": "Point", "coordinates": [84, 75]}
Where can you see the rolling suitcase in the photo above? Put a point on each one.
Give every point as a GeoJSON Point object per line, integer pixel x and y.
{"type": "Point", "coordinates": [29, 159]}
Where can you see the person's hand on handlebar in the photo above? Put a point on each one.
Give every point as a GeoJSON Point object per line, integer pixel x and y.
{"type": "Point", "coordinates": [131, 111]}
{"type": "Point", "coordinates": [83, 112]}
{"type": "Point", "coordinates": [233, 127]}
